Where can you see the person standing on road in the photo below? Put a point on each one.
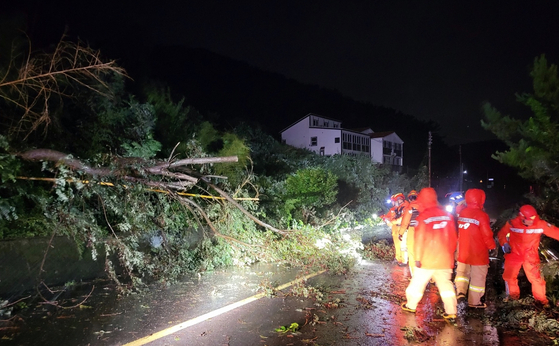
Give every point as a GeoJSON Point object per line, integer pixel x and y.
{"type": "Point", "coordinates": [393, 219]}
{"type": "Point", "coordinates": [407, 227]}
{"type": "Point", "coordinates": [475, 239]}
{"type": "Point", "coordinates": [434, 246]}
{"type": "Point", "coordinates": [520, 240]}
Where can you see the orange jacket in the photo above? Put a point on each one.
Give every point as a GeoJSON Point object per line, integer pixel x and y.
{"type": "Point", "coordinates": [525, 240]}
{"type": "Point", "coordinates": [409, 216]}
{"type": "Point", "coordinates": [394, 215]}
{"type": "Point", "coordinates": [475, 236]}
{"type": "Point", "coordinates": [435, 233]}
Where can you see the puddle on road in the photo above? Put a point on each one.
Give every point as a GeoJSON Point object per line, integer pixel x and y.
{"type": "Point", "coordinates": [377, 319]}
{"type": "Point", "coordinates": [369, 314]}
{"type": "Point", "coordinates": [106, 318]}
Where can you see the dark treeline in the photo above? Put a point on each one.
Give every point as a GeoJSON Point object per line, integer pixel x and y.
{"type": "Point", "coordinates": [234, 91]}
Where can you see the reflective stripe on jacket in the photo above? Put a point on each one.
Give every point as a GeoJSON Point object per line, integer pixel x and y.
{"type": "Point", "coordinates": [409, 217]}
{"type": "Point", "coordinates": [525, 240]}
{"type": "Point", "coordinates": [475, 236]}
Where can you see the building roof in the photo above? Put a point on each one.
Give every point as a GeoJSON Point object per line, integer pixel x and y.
{"type": "Point", "coordinates": [380, 134]}
{"type": "Point", "coordinates": [308, 115]}
{"type": "Point", "coordinates": [361, 129]}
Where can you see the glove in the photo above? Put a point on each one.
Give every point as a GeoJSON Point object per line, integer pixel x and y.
{"type": "Point", "coordinates": [506, 248]}
{"type": "Point", "coordinates": [418, 264]}
{"type": "Point", "coordinates": [493, 252]}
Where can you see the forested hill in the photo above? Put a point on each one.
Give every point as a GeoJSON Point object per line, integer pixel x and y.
{"type": "Point", "coordinates": [234, 91]}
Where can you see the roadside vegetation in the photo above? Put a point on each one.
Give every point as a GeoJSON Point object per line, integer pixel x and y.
{"type": "Point", "coordinates": [146, 184]}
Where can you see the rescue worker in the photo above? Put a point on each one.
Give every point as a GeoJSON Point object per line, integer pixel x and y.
{"type": "Point", "coordinates": [434, 246]}
{"type": "Point", "coordinates": [475, 239]}
{"type": "Point", "coordinates": [393, 219]}
{"type": "Point", "coordinates": [520, 240]}
{"type": "Point", "coordinates": [407, 227]}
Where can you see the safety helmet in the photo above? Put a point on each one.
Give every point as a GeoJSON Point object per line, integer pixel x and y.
{"type": "Point", "coordinates": [397, 196]}
{"type": "Point", "coordinates": [412, 196]}
{"type": "Point", "coordinates": [528, 212]}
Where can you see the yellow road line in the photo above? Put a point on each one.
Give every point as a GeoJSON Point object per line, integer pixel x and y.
{"type": "Point", "coordinates": [196, 320]}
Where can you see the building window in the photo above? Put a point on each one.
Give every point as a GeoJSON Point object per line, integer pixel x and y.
{"type": "Point", "coordinates": [337, 140]}
{"type": "Point", "coordinates": [321, 151]}
{"type": "Point", "coordinates": [315, 122]}
{"type": "Point", "coordinates": [326, 124]}
{"type": "Point", "coordinates": [314, 141]}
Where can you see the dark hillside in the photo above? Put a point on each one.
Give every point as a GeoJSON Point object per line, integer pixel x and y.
{"type": "Point", "coordinates": [234, 91]}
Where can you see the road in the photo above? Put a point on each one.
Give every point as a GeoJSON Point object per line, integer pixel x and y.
{"type": "Point", "coordinates": [234, 308]}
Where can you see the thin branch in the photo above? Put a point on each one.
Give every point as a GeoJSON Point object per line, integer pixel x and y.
{"type": "Point", "coordinates": [210, 223]}
{"type": "Point", "coordinates": [173, 151]}
{"type": "Point", "coordinates": [243, 210]}
{"type": "Point", "coordinates": [332, 219]}
{"type": "Point", "coordinates": [45, 254]}
{"type": "Point", "coordinates": [14, 303]}
{"type": "Point", "coordinates": [65, 73]}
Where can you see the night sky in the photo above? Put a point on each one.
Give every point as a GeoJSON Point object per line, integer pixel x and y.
{"type": "Point", "coordinates": [434, 60]}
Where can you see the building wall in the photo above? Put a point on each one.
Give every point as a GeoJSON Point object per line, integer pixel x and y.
{"type": "Point", "coordinates": [298, 134]}
{"type": "Point", "coordinates": [396, 157]}
{"type": "Point", "coordinates": [319, 135]}
{"type": "Point", "coordinates": [326, 138]}
{"type": "Point", "coordinates": [376, 150]}
{"type": "Point", "coordinates": [362, 142]}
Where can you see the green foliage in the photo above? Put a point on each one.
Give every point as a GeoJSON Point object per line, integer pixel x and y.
{"type": "Point", "coordinates": [315, 248]}
{"type": "Point", "coordinates": [209, 137]}
{"type": "Point", "coordinates": [125, 128]}
{"type": "Point", "coordinates": [9, 166]}
{"type": "Point", "coordinates": [308, 189]}
{"type": "Point", "coordinates": [148, 148]}
{"type": "Point", "coordinates": [175, 123]}
{"type": "Point", "coordinates": [233, 146]}
{"type": "Point", "coordinates": [379, 250]}
{"type": "Point", "coordinates": [533, 143]}
{"type": "Point", "coordinates": [292, 328]}
{"type": "Point", "coordinates": [312, 187]}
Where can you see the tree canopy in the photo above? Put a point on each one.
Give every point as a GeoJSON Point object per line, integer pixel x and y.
{"type": "Point", "coordinates": [533, 143]}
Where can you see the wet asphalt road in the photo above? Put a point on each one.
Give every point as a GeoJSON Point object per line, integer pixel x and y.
{"type": "Point", "coordinates": [368, 313]}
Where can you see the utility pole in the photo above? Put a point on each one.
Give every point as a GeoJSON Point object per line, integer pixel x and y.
{"type": "Point", "coordinates": [430, 141]}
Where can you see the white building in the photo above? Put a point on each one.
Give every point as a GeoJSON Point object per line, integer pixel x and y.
{"type": "Point", "coordinates": [325, 136]}
{"type": "Point", "coordinates": [387, 147]}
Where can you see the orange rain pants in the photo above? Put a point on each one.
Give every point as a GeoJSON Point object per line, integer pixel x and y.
{"type": "Point", "coordinates": [532, 271]}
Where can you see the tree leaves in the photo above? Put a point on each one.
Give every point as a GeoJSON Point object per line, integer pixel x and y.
{"type": "Point", "coordinates": [533, 143]}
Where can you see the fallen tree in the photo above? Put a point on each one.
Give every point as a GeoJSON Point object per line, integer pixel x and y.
{"type": "Point", "coordinates": [143, 169]}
